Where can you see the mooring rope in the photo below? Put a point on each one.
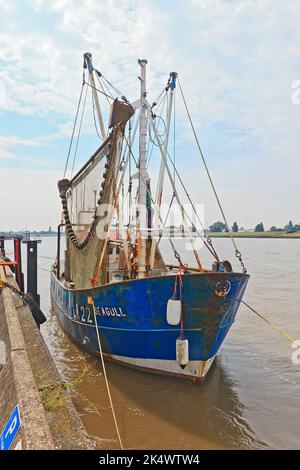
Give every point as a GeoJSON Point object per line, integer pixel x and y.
{"type": "Point", "coordinates": [106, 380]}
{"type": "Point", "coordinates": [271, 324]}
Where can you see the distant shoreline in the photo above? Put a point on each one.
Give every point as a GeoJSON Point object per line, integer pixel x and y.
{"type": "Point", "coordinates": [210, 234]}
{"type": "Point", "coordinates": [254, 234]}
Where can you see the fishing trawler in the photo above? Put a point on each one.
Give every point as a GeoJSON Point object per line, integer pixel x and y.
{"type": "Point", "coordinates": [115, 294]}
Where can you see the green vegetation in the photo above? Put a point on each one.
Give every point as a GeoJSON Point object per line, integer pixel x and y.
{"type": "Point", "coordinates": [259, 228]}
{"type": "Point", "coordinates": [52, 397]}
{"type": "Point", "coordinates": [218, 229]}
{"type": "Point", "coordinates": [279, 234]}
{"type": "Point", "coordinates": [235, 227]}
{"type": "Point", "coordinates": [291, 228]}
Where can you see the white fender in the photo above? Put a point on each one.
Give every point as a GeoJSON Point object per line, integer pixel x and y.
{"type": "Point", "coordinates": [173, 311]}
{"type": "Point", "coordinates": [182, 351]}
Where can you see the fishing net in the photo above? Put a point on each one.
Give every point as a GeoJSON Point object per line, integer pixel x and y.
{"type": "Point", "coordinates": [86, 201]}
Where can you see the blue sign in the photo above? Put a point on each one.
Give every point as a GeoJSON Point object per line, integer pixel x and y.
{"type": "Point", "coordinates": [11, 430]}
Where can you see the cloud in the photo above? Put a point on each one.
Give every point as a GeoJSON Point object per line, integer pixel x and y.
{"type": "Point", "coordinates": [7, 155]}
{"type": "Point", "coordinates": [6, 6]}
{"type": "Point", "coordinates": [17, 144]}
{"type": "Point", "coordinates": [35, 205]}
{"type": "Point", "coordinates": [12, 141]}
{"type": "Point", "coordinates": [236, 62]}
{"type": "Point", "coordinates": [48, 140]}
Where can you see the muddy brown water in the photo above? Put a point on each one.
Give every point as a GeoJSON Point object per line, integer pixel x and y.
{"type": "Point", "coordinates": [251, 398]}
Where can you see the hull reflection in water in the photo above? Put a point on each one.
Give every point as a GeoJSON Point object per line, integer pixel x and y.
{"type": "Point", "coordinates": [132, 321]}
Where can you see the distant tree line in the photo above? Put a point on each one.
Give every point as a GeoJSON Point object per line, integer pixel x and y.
{"type": "Point", "coordinates": [221, 227]}
{"type": "Point", "coordinates": [35, 233]}
{"type": "Point", "coordinates": [289, 228]}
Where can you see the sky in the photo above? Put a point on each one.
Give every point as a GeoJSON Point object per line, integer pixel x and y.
{"type": "Point", "coordinates": [239, 66]}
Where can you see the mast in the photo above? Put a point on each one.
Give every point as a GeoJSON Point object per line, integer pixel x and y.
{"type": "Point", "coordinates": [171, 85]}
{"type": "Point", "coordinates": [88, 63]}
{"type": "Point", "coordinates": [143, 175]}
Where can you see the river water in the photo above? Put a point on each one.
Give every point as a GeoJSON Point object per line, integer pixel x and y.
{"type": "Point", "coordinates": [251, 398]}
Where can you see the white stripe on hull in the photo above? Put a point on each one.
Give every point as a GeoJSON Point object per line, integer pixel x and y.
{"type": "Point", "coordinates": [195, 370]}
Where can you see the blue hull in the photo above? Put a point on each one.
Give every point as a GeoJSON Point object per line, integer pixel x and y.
{"type": "Point", "coordinates": [131, 316]}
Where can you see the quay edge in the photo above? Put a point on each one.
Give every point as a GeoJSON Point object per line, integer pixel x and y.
{"type": "Point", "coordinates": [24, 359]}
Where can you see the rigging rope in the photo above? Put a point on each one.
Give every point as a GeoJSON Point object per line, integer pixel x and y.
{"type": "Point", "coordinates": [150, 196]}
{"type": "Point", "coordinates": [97, 89]}
{"type": "Point", "coordinates": [94, 118]}
{"type": "Point", "coordinates": [130, 175]}
{"type": "Point", "coordinates": [102, 87]}
{"type": "Point", "coordinates": [74, 126]}
{"type": "Point", "coordinates": [113, 87]}
{"type": "Point", "coordinates": [237, 252]}
{"type": "Point", "coordinates": [183, 211]}
{"type": "Point", "coordinates": [150, 137]}
{"type": "Point", "coordinates": [157, 101]}
{"type": "Point", "coordinates": [207, 242]}
{"type": "Point", "coordinates": [79, 130]}
{"type": "Point", "coordinates": [174, 135]}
